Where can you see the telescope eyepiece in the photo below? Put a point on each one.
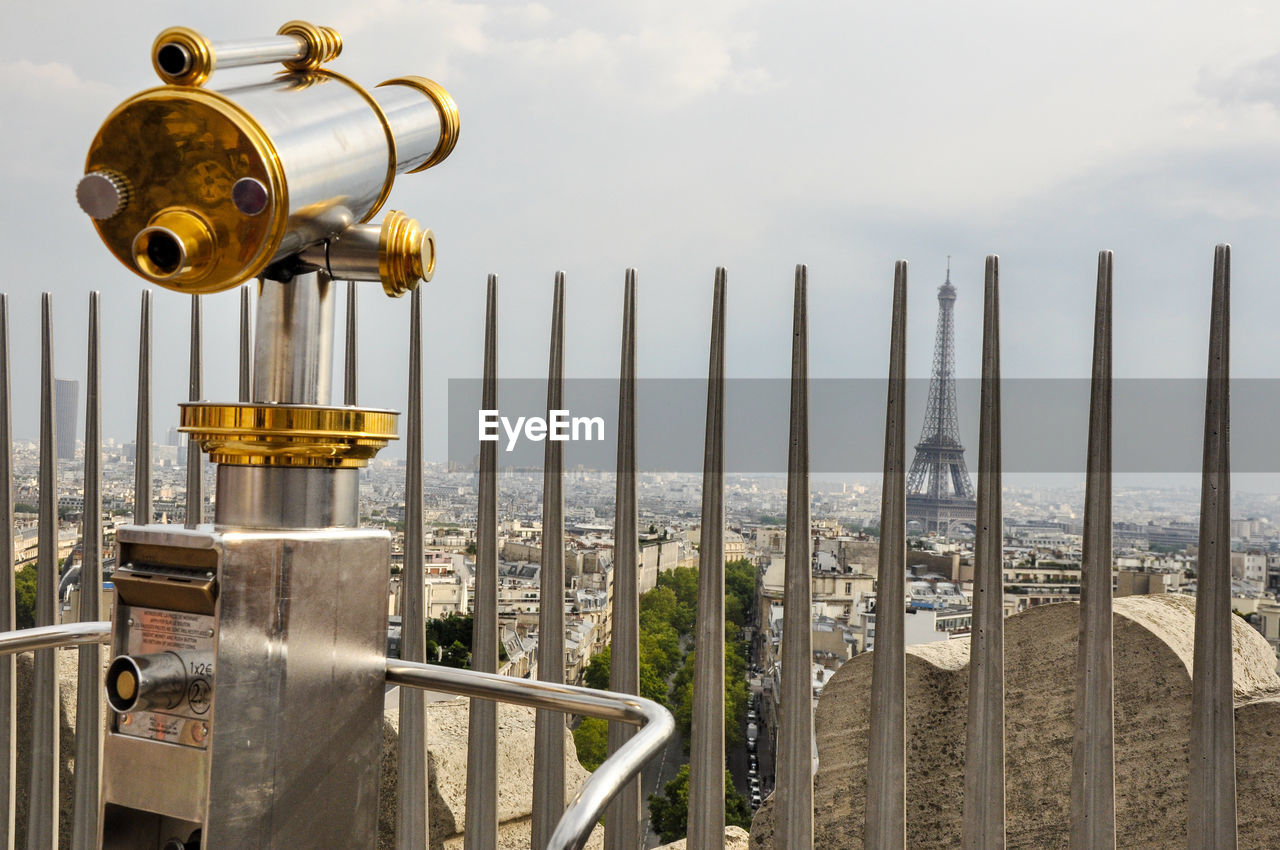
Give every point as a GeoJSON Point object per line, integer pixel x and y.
{"type": "Point", "coordinates": [173, 59]}
{"type": "Point", "coordinates": [182, 57]}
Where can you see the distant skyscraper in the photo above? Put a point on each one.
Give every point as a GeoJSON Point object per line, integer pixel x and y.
{"type": "Point", "coordinates": [939, 492]}
{"type": "Point", "coordinates": [68, 396]}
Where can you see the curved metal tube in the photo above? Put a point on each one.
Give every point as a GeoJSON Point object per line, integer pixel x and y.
{"type": "Point", "coordinates": [52, 637]}
{"type": "Point", "coordinates": [584, 811]}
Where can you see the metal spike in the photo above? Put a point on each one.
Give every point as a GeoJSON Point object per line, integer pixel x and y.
{"type": "Point", "coordinates": [482, 740]}
{"type": "Point", "coordinates": [84, 819]}
{"type": "Point", "coordinates": [42, 823]}
{"type": "Point", "coordinates": [548, 753]}
{"type": "Point", "coordinates": [412, 788]}
{"type": "Point", "coordinates": [1211, 818]}
{"type": "Point", "coordinates": [351, 370]}
{"type": "Point", "coordinates": [795, 737]}
{"type": "Point", "coordinates": [1093, 781]}
{"type": "Point", "coordinates": [984, 757]}
{"type": "Point", "coordinates": [623, 821]}
{"type": "Point", "coordinates": [706, 746]}
{"type": "Point", "coordinates": [142, 429]}
{"type": "Point", "coordinates": [195, 476]}
{"type": "Point", "coordinates": [246, 348]}
{"type": "Point", "coordinates": [886, 819]}
{"type": "Point", "coordinates": [8, 616]}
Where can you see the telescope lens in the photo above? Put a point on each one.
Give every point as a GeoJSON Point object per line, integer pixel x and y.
{"type": "Point", "coordinates": [164, 252]}
{"type": "Point", "coordinates": [173, 59]}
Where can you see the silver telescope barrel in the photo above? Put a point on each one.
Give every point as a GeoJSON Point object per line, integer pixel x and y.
{"type": "Point", "coordinates": [199, 189]}
{"type": "Point", "coordinates": [184, 57]}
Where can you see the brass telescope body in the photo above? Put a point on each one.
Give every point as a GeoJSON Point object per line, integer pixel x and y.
{"type": "Point", "coordinates": [247, 688]}
{"type": "Point", "coordinates": [199, 190]}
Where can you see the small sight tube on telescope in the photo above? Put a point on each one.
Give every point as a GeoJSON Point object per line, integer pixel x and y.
{"type": "Point", "coordinates": [184, 57]}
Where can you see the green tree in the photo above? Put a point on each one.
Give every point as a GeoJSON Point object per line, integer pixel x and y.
{"type": "Point", "coordinates": [658, 606]}
{"type": "Point", "coordinates": [735, 696]}
{"type": "Point", "coordinates": [660, 649]}
{"type": "Point", "coordinates": [25, 592]}
{"type": "Point", "coordinates": [452, 629]}
{"type": "Point", "coordinates": [683, 583]}
{"type": "Point", "coordinates": [653, 686]}
{"type": "Point", "coordinates": [592, 739]}
{"type": "Point", "coordinates": [597, 672]}
{"type": "Point", "coordinates": [456, 655]}
{"type": "Point", "coordinates": [669, 812]}
{"type": "Point", "coordinates": [739, 591]}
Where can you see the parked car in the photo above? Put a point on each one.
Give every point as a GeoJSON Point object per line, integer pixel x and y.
{"type": "Point", "coordinates": [755, 800]}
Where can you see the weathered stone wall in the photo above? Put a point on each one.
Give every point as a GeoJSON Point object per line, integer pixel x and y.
{"type": "Point", "coordinates": [735, 838]}
{"type": "Point", "coordinates": [1153, 646]}
{"type": "Point", "coordinates": [447, 766]}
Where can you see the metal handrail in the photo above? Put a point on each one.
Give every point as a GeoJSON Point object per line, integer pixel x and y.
{"type": "Point", "coordinates": [586, 807]}
{"type": "Point", "coordinates": [582, 813]}
{"type": "Point", "coordinates": [53, 637]}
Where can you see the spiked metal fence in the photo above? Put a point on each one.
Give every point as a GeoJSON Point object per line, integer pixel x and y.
{"type": "Point", "coordinates": [1211, 821]}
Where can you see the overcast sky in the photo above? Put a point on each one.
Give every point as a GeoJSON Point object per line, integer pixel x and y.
{"type": "Point", "coordinates": [678, 136]}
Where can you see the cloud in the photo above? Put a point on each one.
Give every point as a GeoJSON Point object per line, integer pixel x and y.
{"type": "Point", "coordinates": [49, 83]}
{"type": "Point", "coordinates": [615, 52]}
{"type": "Point", "coordinates": [58, 111]}
{"type": "Point", "coordinates": [1251, 83]}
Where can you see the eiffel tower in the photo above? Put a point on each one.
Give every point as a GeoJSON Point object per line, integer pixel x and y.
{"type": "Point", "coordinates": [939, 492]}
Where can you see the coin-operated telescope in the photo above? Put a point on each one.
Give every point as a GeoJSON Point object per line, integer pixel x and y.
{"type": "Point", "coordinates": [247, 685]}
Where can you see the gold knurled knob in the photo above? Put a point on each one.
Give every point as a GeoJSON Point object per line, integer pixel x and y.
{"type": "Point", "coordinates": [323, 44]}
